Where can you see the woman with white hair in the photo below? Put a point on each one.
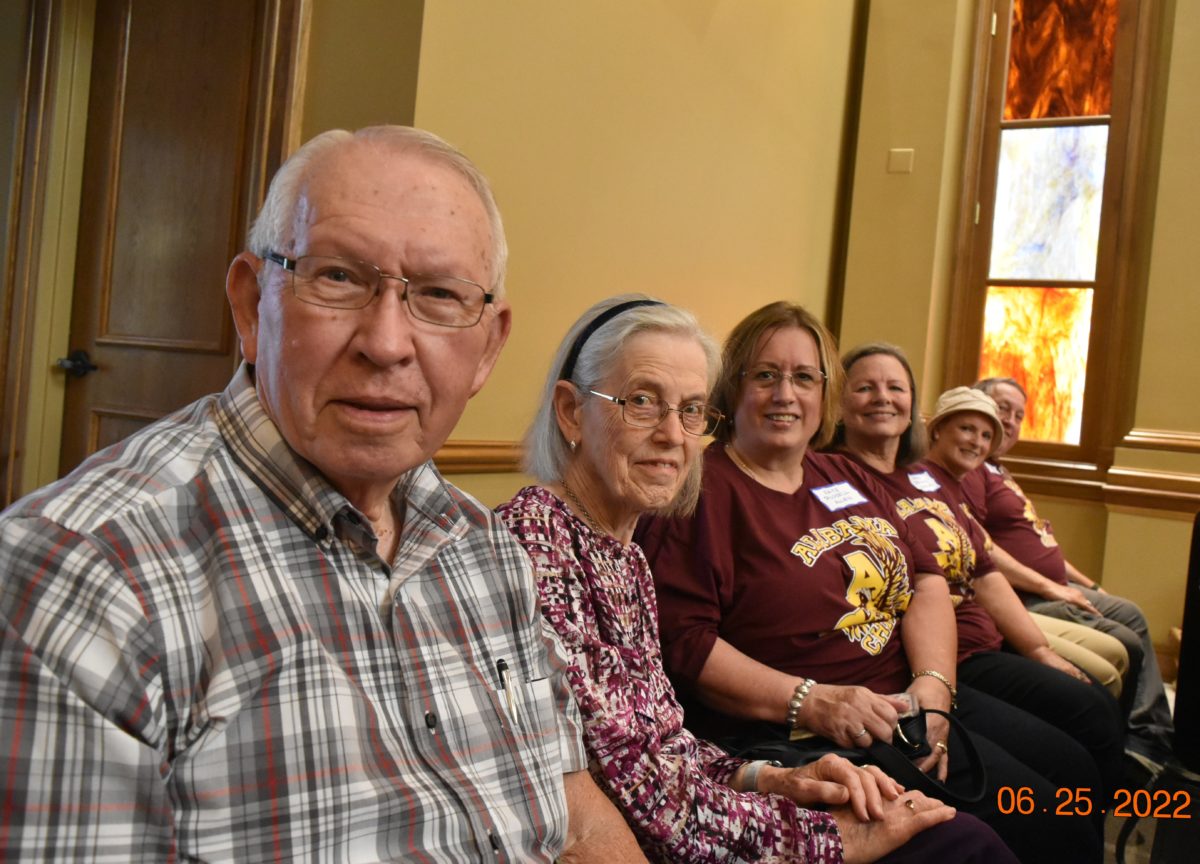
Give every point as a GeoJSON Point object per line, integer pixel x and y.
{"type": "Point", "coordinates": [618, 435]}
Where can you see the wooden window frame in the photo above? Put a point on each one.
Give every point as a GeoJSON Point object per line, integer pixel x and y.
{"type": "Point", "coordinates": [1126, 228]}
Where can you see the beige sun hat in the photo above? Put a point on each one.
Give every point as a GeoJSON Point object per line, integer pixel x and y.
{"type": "Point", "coordinates": [959, 399]}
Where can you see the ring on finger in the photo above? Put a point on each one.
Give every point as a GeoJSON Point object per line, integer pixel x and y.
{"type": "Point", "coordinates": [859, 734]}
{"type": "Point", "coordinates": [910, 804]}
{"type": "Point", "coordinates": [941, 745]}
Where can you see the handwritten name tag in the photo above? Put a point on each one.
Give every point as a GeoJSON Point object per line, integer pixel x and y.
{"type": "Point", "coordinates": [924, 481]}
{"type": "Point", "coordinates": [839, 496]}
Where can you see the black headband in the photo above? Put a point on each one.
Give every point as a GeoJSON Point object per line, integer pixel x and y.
{"type": "Point", "coordinates": [595, 324]}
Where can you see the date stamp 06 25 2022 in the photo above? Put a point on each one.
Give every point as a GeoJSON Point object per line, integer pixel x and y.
{"type": "Point", "coordinates": [1159, 804]}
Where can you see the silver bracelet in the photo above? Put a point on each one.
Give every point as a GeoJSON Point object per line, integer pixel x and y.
{"type": "Point", "coordinates": [750, 773]}
{"type": "Point", "coordinates": [797, 702]}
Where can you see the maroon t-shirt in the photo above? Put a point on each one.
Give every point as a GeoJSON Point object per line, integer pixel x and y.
{"type": "Point", "coordinates": [1008, 516]}
{"type": "Point", "coordinates": [931, 501]}
{"type": "Point", "coordinates": [812, 583]}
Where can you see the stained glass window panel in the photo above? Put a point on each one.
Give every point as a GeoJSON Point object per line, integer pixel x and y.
{"type": "Point", "coordinates": [1060, 59]}
{"type": "Point", "coordinates": [1048, 195]}
{"type": "Point", "coordinates": [1039, 337]}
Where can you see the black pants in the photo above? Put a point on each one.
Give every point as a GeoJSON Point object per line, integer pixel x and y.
{"type": "Point", "coordinates": [1024, 754]}
{"type": "Point", "coordinates": [1036, 837]}
{"type": "Point", "coordinates": [1085, 712]}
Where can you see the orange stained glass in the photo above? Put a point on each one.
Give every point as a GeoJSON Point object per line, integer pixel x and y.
{"type": "Point", "coordinates": [1039, 337]}
{"type": "Point", "coordinates": [1060, 59]}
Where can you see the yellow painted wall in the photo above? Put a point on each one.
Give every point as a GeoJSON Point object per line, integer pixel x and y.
{"type": "Point", "coordinates": [362, 64]}
{"type": "Point", "coordinates": [685, 148]}
{"type": "Point", "coordinates": [1167, 392]}
{"type": "Point", "coordinates": [900, 253]}
{"type": "Point", "coordinates": [689, 148]}
{"type": "Point", "coordinates": [1146, 559]}
{"type": "Point", "coordinates": [1146, 552]}
{"type": "Point", "coordinates": [1080, 528]}
{"type": "Point", "coordinates": [902, 224]}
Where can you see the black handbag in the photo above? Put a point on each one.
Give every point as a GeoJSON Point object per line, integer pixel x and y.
{"type": "Point", "coordinates": [895, 757]}
{"type": "Point", "coordinates": [910, 737]}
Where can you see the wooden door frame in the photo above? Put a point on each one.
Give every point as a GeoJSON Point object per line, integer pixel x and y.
{"type": "Point", "coordinates": [39, 263]}
{"type": "Point", "coordinates": [36, 227]}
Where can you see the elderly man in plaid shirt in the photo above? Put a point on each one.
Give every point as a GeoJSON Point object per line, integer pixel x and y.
{"type": "Point", "coordinates": [265, 628]}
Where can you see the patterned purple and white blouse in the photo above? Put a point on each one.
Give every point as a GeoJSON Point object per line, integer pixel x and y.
{"type": "Point", "coordinates": [672, 787]}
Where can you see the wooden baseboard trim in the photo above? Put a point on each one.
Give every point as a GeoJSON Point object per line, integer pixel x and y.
{"type": "Point", "coordinates": [1162, 439]}
{"type": "Point", "coordinates": [1157, 490]}
{"type": "Point", "coordinates": [1124, 487]}
{"type": "Point", "coordinates": [1128, 487]}
{"type": "Point", "coordinates": [479, 457]}
{"type": "Point", "coordinates": [1151, 490]}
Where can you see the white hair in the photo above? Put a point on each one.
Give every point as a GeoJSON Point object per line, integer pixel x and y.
{"type": "Point", "coordinates": [272, 228]}
{"type": "Point", "coordinates": [546, 452]}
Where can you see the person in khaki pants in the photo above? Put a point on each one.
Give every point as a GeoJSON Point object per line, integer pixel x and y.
{"type": "Point", "coordinates": [1050, 585]}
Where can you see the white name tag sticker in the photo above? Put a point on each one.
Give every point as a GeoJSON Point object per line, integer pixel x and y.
{"type": "Point", "coordinates": [924, 481]}
{"type": "Point", "coordinates": [839, 496]}
{"type": "Point", "coordinates": [995, 469]}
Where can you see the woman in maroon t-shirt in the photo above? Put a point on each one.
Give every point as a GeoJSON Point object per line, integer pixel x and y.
{"type": "Point", "coordinates": [880, 429]}
{"type": "Point", "coordinates": [796, 597]}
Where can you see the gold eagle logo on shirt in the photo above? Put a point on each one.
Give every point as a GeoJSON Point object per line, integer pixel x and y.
{"type": "Point", "coordinates": [878, 590]}
{"type": "Point", "coordinates": [1040, 525]}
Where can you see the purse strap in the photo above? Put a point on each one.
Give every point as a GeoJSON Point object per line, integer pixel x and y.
{"type": "Point", "coordinates": [901, 768]}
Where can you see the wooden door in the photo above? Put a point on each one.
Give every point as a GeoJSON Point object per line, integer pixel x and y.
{"type": "Point", "coordinates": [187, 120]}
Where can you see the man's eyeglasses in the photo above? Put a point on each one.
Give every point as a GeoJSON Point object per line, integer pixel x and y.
{"type": "Point", "coordinates": [346, 283]}
{"type": "Point", "coordinates": [646, 410]}
{"type": "Point", "coordinates": [806, 378]}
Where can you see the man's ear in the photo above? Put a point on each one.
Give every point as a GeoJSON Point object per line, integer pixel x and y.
{"type": "Point", "coordinates": [242, 289]}
{"type": "Point", "coordinates": [568, 410]}
{"type": "Point", "coordinates": [498, 326]}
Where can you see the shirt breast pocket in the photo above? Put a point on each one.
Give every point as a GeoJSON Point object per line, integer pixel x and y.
{"type": "Point", "coordinates": [490, 733]}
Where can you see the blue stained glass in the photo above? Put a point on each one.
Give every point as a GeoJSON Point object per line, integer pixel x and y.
{"type": "Point", "coordinates": [1048, 195]}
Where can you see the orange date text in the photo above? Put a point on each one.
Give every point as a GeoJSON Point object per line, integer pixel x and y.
{"type": "Point", "coordinates": [1159, 804]}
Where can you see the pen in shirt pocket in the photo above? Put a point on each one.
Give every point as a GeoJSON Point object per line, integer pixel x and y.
{"type": "Point", "coordinates": [506, 687]}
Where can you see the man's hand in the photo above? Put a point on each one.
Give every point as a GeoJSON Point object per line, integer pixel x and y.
{"type": "Point", "coordinates": [1071, 595]}
{"type": "Point", "coordinates": [903, 818]}
{"type": "Point", "coordinates": [832, 780]}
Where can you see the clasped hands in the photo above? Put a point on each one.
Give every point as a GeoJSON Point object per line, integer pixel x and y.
{"type": "Point", "coordinates": [833, 781]}
{"type": "Point", "coordinates": [873, 812]}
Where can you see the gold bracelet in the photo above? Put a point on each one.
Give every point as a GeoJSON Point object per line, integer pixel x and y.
{"type": "Point", "coordinates": [933, 673]}
{"type": "Point", "coordinates": [797, 700]}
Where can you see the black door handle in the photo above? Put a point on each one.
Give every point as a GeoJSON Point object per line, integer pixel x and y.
{"type": "Point", "coordinates": [77, 364]}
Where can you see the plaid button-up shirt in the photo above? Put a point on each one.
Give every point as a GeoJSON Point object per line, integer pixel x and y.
{"type": "Point", "coordinates": [202, 657]}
